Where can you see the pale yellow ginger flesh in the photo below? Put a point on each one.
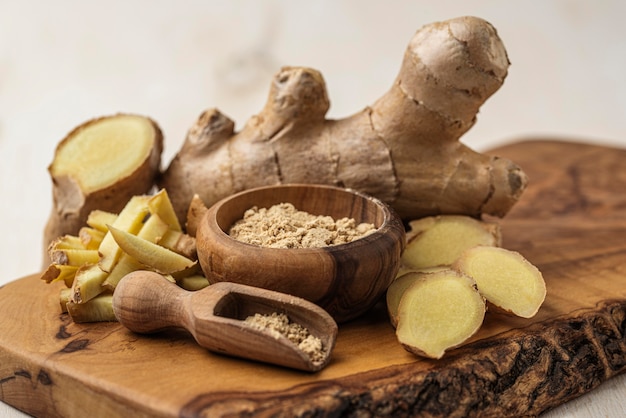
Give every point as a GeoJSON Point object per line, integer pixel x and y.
{"type": "Point", "coordinates": [505, 278]}
{"type": "Point", "coordinates": [87, 283]}
{"type": "Point", "coordinates": [437, 312]}
{"type": "Point", "coordinates": [130, 219]}
{"type": "Point", "coordinates": [161, 259]}
{"type": "Point", "coordinates": [397, 289]}
{"type": "Point", "coordinates": [98, 309]}
{"type": "Point", "coordinates": [440, 240]}
{"type": "Point", "coordinates": [94, 166]}
{"type": "Point", "coordinates": [395, 292]}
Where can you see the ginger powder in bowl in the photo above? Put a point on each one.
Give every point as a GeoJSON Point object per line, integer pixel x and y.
{"type": "Point", "coordinates": [284, 226]}
{"type": "Point", "coordinates": [345, 279]}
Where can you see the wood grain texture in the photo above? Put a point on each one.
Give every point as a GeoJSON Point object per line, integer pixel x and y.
{"type": "Point", "coordinates": [571, 223]}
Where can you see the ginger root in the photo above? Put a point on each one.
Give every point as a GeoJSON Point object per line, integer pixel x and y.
{"type": "Point", "coordinates": [403, 149]}
{"type": "Point", "coordinates": [100, 165]}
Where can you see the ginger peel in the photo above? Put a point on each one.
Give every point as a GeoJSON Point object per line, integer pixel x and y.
{"type": "Point", "coordinates": [404, 149]}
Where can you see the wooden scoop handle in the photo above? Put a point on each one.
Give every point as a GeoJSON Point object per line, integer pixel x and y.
{"type": "Point", "coordinates": [145, 302]}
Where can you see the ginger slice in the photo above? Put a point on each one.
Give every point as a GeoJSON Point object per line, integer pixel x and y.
{"type": "Point", "coordinates": [100, 165]}
{"type": "Point", "coordinates": [161, 205]}
{"type": "Point", "coordinates": [91, 238]}
{"type": "Point", "coordinates": [87, 283]}
{"type": "Point", "coordinates": [399, 286]}
{"type": "Point", "coordinates": [395, 292]}
{"type": "Point", "coordinates": [131, 219]}
{"type": "Point", "coordinates": [158, 258]}
{"type": "Point", "coordinates": [505, 278]}
{"type": "Point", "coordinates": [152, 230]}
{"type": "Point", "coordinates": [99, 219]}
{"type": "Point", "coordinates": [98, 309]}
{"type": "Point", "coordinates": [440, 240]}
{"type": "Point", "coordinates": [437, 312]}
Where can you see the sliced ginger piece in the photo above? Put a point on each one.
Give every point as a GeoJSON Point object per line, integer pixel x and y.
{"type": "Point", "coordinates": [440, 240]}
{"type": "Point", "coordinates": [395, 292]}
{"type": "Point", "coordinates": [74, 257]}
{"type": "Point", "coordinates": [65, 295]}
{"type": "Point", "coordinates": [66, 242]}
{"type": "Point", "coordinates": [505, 278]}
{"type": "Point", "coordinates": [91, 238]}
{"type": "Point", "coordinates": [98, 309]}
{"type": "Point", "coordinates": [136, 240]}
{"type": "Point", "coordinates": [159, 258]}
{"type": "Point", "coordinates": [131, 220]}
{"type": "Point", "coordinates": [437, 312]}
{"type": "Point", "coordinates": [161, 205]}
{"type": "Point", "coordinates": [195, 213]}
{"type": "Point", "coordinates": [58, 272]}
{"type": "Point", "coordinates": [179, 242]}
{"type": "Point", "coordinates": [153, 230]}
{"type": "Point", "coordinates": [87, 283]}
{"type": "Point", "coordinates": [125, 265]}
{"type": "Point", "coordinates": [397, 289]}
{"type": "Point", "coordinates": [99, 219]}
{"type": "Point", "coordinates": [193, 283]}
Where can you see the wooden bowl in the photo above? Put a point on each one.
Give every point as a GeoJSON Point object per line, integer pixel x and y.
{"type": "Point", "coordinates": [346, 280]}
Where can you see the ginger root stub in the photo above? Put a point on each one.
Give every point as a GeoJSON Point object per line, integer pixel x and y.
{"type": "Point", "coordinates": [100, 165]}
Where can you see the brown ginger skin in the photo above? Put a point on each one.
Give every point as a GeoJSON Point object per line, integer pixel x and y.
{"type": "Point", "coordinates": [403, 149]}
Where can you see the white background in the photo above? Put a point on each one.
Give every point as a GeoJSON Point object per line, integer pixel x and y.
{"type": "Point", "coordinates": [64, 62]}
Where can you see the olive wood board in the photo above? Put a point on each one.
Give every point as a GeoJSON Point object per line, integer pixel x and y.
{"type": "Point", "coordinates": [571, 223]}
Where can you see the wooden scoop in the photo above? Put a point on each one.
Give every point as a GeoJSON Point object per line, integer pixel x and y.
{"type": "Point", "coordinates": [146, 302]}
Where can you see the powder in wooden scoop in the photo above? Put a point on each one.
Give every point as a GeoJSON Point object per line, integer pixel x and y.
{"type": "Point", "coordinates": [283, 226]}
{"type": "Point", "coordinates": [278, 324]}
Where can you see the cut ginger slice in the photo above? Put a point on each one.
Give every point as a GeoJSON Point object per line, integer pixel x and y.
{"type": "Point", "coordinates": [399, 286]}
{"type": "Point", "coordinates": [91, 154]}
{"type": "Point", "coordinates": [505, 278]}
{"type": "Point", "coordinates": [440, 240]}
{"type": "Point", "coordinates": [438, 311]}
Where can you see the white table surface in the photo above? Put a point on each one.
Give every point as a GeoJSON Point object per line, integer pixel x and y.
{"type": "Point", "coordinates": [64, 62]}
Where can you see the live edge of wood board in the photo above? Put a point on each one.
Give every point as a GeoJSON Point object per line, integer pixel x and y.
{"type": "Point", "coordinates": [570, 222]}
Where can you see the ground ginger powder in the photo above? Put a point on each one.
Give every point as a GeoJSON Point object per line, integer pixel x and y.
{"type": "Point", "coordinates": [278, 324]}
{"type": "Point", "coordinates": [283, 226]}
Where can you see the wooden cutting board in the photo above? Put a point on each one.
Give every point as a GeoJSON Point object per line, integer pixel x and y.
{"type": "Point", "coordinates": [571, 223]}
